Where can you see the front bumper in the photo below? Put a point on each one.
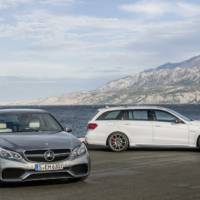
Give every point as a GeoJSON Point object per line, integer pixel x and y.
{"type": "Point", "coordinates": [13, 171]}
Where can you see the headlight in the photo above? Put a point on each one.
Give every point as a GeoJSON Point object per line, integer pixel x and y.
{"type": "Point", "coordinates": [78, 151]}
{"type": "Point", "coordinates": [10, 155]}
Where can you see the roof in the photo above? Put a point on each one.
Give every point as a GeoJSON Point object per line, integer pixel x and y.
{"type": "Point", "coordinates": [20, 110]}
{"type": "Point", "coordinates": [132, 107]}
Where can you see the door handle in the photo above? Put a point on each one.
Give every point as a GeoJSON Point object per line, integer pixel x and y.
{"type": "Point", "coordinates": [157, 125]}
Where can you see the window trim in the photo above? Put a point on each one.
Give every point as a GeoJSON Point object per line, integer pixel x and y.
{"type": "Point", "coordinates": [123, 115]}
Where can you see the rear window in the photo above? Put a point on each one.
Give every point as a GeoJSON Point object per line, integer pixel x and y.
{"type": "Point", "coordinates": [138, 115]}
{"type": "Point", "coordinates": [111, 115]}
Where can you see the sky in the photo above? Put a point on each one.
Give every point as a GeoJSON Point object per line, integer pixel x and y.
{"type": "Point", "coordinates": [95, 39]}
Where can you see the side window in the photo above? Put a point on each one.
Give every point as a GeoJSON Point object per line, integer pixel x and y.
{"type": "Point", "coordinates": [164, 116]}
{"type": "Point", "coordinates": [138, 115]}
{"type": "Point", "coordinates": [111, 115]}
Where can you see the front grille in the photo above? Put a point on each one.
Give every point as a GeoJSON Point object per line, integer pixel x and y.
{"type": "Point", "coordinates": [12, 173]}
{"type": "Point", "coordinates": [38, 155]}
{"type": "Point", "coordinates": [79, 169]}
{"type": "Point", "coordinates": [53, 175]}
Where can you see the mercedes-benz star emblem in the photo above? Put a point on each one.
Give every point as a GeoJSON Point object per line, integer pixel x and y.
{"type": "Point", "coordinates": [49, 156]}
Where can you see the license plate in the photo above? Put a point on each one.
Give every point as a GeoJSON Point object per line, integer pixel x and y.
{"type": "Point", "coordinates": [48, 167]}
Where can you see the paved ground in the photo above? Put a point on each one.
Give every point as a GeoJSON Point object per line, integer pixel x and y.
{"type": "Point", "coordinates": [155, 174]}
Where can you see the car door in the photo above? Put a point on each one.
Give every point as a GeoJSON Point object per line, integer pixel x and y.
{"type": "Point", "coordinates": [169, 130]}
{"type": "Point", "coordinates": [137, 126]}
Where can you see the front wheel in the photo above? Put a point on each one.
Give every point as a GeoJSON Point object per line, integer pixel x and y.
{"type": "Point", "coordinates": [118, 142]}
{"type": "Point", "coordinates": [198, 143]}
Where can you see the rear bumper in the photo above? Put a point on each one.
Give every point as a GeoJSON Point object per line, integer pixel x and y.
{"type": "Point", "coordinates": [91, 140]}
{"type": "Point", "coordinates": [12, 171]}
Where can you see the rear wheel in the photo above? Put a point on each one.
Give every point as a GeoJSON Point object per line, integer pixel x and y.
{"type": "Point", "coordinates": [118, 142]}
{"type": "Point", "coordinates": [198, 143]}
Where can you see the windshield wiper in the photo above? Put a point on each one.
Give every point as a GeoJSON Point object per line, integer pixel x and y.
{"type": "Point", "coordinates": [29, 130]}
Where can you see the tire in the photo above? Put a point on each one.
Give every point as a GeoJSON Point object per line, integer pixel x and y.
{"type": "Point", "coordinates": [2, 183]}
{"type": "Point", "coordinates": [198, 143]}
{"type": "Point", "coordinates": [118, 142]}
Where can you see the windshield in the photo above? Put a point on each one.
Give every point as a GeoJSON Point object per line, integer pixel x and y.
{"type": "Point", "coordinates": [28, 122]}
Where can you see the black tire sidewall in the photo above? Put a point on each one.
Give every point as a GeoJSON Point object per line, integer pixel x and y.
{"type": "Point", "coordinates": [198, 142]}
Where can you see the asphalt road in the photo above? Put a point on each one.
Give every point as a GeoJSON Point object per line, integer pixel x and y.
{"type": "Point", "coordinates": [137, 174]}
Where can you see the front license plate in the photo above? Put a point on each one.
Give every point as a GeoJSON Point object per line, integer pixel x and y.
{"type": "Point", "coordinates": [48, 167]}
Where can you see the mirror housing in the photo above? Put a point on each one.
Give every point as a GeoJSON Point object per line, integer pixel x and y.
{"type": "Point", "coordinates": [68, 130]}
{"type": "Point", "coordinates": [178, 121]}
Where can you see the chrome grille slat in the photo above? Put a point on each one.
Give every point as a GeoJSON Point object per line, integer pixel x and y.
{"type": "Point", "coordinates": [56, 154]}
{"type": "Point", "coordinates": [38, 155]}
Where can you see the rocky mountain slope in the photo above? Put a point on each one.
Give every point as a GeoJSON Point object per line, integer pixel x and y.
{"type": "Point", "coordinates": [168, 84]}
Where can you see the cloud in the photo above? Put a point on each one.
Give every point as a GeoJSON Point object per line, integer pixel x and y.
{"type": "Point", "coordinates": [155, 8]}
{"type": "Point", "coordinates": [51, 43]}
{"type": "Point", "coordinates": [35, 69]}
{"type": "Point", "coordinates": [47, 29]}
{"type": "Point", "coordinates": [10, 3]}
{"type": "Point", "coordinates": [5, 4]}
{"type": "Point", "coordinates": [54, 2]}
{"type": "Point", "coordinates": [188, 9]}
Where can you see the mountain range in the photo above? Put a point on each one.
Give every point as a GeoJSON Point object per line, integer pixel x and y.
{"type": "Point", "coordinates": [171, 83]}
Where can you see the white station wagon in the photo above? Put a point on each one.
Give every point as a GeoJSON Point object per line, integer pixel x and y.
{"type": "Point", "coordinates": [122, 127]}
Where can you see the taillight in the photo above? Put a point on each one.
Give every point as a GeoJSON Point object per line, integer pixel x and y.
{"type": "Point", "coordinates": [92, 126]}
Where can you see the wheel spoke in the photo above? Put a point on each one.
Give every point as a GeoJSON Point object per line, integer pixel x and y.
{"type": "Point", "coordinates": [118, 142]}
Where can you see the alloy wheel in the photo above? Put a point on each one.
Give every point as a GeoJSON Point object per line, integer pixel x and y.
{"type": "Point", "coordinates": [118, 142]}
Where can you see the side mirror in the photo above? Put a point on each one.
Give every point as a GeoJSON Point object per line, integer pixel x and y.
{"type": "Point", "coordinates": [69, 130]}
{"type": "Point", "coordinates": [178, 121]}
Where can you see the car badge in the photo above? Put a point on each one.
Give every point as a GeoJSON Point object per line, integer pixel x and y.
{"type": "Point", "coordinates": [49, 156]}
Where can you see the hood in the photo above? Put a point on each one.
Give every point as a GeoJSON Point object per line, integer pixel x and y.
{"type": "Point", "coordinates": [195, 123]}
{"type": "Point", "coordinates": [38, 141]}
